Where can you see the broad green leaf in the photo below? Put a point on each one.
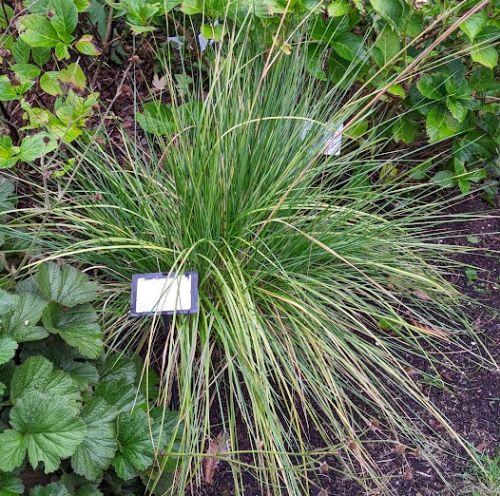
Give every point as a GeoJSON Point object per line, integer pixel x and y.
{"type": "Point", "coordinates": [6, 13]}
{"type": "Point", "coordinates": [156, 118]}
{"type": "Point", "coordinates": [474, 24]}
{"type": "Point", "coordinates": [26, 71]}
{"type": "Point", "coordinates": [12, 450]}
{"type": "Point", "coordinates": [431, 86]}
{"type": "Point", "coordinates": [457, 109]}
{"type": "Point", "coordinates": [73, 76]}
{"type": "Point", "coordinates": [77, 326]}
{"type": "Point", "coordinates": [65, 285]}
{"type": "Point", "coordinates": [114, 366]}
{"type": "Point", "coordinates": [87, 46]}
{"type": "Point", "coordinates": [10, 485]}
{"type": "Point", "coordinates": [191, 7]}
{"type": "Point", "coordinates": [405, 130]}
{"type": "Point", "coordinates": [212, 32]}
{"type": "Point", "coordinates": [22, 322]}
{"type": "Point", "coordinates": [7, 200]}
{"type": "Point", "coordinates": [99, 446]}
{"type": "Point", "coordinates": [389, 46]}
{"type": "Point", "coordinates": [37, 6]}
{"type": "Point", "coordinates": [136, 449]}
{"type": "Point", "coordinates": [61, 51]}
{"type": "Point", "coordinates": [37, 374]}
{"type": "Point", "coordinates": [8, 92]}
{"type": "Point", "coordinates": [52, 489]}
{"type": "Point", "coordinates": [349, 46]}
{"type": "Point", "coordinates": [40, 55]}
{"type": "Point", "coordinates": [357, 130]}
{"type": "Point", "coordinates": [49, 430]}
{"type": "Point", "coordinates": [338, 8]}
{"type": "Point", "coordinates": [21, 51]}
{"type": "Point", "coordinates": [485, 55]}
{"type": "Point", "coordinates": [64, 357]}
{"type": "Point", "coordinates": [8, 152]}
{"type": "Point", "coordinates": [65, 17]}
{"type": "Point", "coordinates": [50, 84]}
{"type": "Point", "coordinates": [315, 63]}
{"type": "Point", "coordinates": [440, 124]}
{"type": "Point", "coordinates": [36, 146]}
{"type": "Point", "coordinates": [7, 301]}
{"type": "Point", "coordinates": [82, 5]}
{"type": "Point", "coordinates": [37, 31]}
{"type": "Point", "coordinates": [118, 394]}
{"type": "Point", "coordinates": [8, 349]}
{"type": "Point", "coordinates": [389, 9]}
{"type": "Point", "coordinates": [397, 90]}
{"type": "Point", "coordinates": [445, 179]}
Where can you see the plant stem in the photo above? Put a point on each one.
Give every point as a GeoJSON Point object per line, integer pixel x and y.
{"type": "Point", "coordinates": [12, 127]}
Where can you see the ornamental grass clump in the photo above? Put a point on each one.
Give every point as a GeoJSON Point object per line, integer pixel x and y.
{"type": "Point", "coordinates": [319, 275]}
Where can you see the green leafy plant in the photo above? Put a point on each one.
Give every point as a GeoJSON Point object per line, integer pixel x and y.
{"type": "Point", "coordinates": [48, 25]}
{"type": "Point", "coordinates": [66, 404]}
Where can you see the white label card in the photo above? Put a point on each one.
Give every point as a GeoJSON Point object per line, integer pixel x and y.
{"type": "Point", "coordinates": [163, 294]}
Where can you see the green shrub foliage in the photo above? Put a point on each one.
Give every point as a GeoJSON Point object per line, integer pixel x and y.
{"type": "Point", "coordinates": [67, 407]}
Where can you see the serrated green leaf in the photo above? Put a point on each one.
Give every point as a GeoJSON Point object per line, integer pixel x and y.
{"type": "Point", "coordinates": [10, 485]}
{"type": "Point", "coordinates": [388, 9]}
{"type": "Point", "coordinates": [40, 55]}
{"type": "Point", "coordinates": [445, 179]}
{"type": "Point", "coordinates": [156, 118]}
{"type": "Point", "coordinates": [65, 285]}
{"type": "Point", "coordinates": [36, 146]}
{"type": "Point", "coordinates": [431, 86]}
{"type": "Point", "coordinates": [485, 55]}
{"type": "Point", "coordinates": [136, 450]}
{"type": "Point", "coordinates": [12, 450]}
{"type": "Point", "coordinates": [21, 51]}
{"type": "Point", "coordinates": [77, 326]}
{"type": "Point", "coordinates": [37, 31]}
{"type": "Point", "coordinates": [114, 366]}
{"type": "Point", "coordinates": [8, 302]}
{"type": "Point", "coordinates": [456, 108]}
{"type": "Point", "coordinates": [22, 322]}
{"type": "Point", "coordinates": [52, 489]}
{"type": "Point", "coordinates": [95, 453]}
{"type": "Point", "coordinates": [405, 130]}
{"type": "Point", "coordinates": [37, 375]}
{"type": "Point", "coordinates": [8, 93]}
{"type": "Point", "coordinates": [338, 8]}
{"type": "Point", "coordinates": [212, 32]}
{"type": "Point", "coordinates": [474, 24]}
{"type": "Point", "coordinates": [7, 199]}
{"type": "Point", "coordinates": [61, 51]}
{"type": "Point", "coordinates": [118, 394]}
{"type": "Point", "coordinates": [50, 84]}
{"type": "Point", "coordinates": [440, 124]}
{"type": "Point", "coordinates": [26, 71]}
{"type": "Point", "coordinates": [73, 76]}
{"type": "Point", "coordinates": [65, 17]}
{"type": "Point", "coordinates": [50, 430]}
{"type": "Point", "coordinates": [389, 46]}
{"type": "Point", "coordinates": [8, 349]}
{"type": "Point", "coordinates": [349, 46]}
{"type": "Point", "coordinates": [87, 46]}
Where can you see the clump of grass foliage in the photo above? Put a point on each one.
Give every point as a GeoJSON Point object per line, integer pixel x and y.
{"type": "Point", "coordinates": [318, 277]}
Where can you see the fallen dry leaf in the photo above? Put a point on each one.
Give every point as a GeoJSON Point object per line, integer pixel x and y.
{"type": "Point", "coordinates": [159, 83]}
{"type": "Point", "coordinates": [422, 295]}
{"type": "Point", "coordinates": [431, 331]}
{"type": "Point", "coordinates": [215, 446]}
{"type": "Point", "coordinates": [324, 468]}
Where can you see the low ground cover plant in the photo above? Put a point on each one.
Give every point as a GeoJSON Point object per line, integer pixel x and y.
{"type": "Point", "coordinates": [68, 408]}
{"type": "Point", "coordinates": [318, 273]}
